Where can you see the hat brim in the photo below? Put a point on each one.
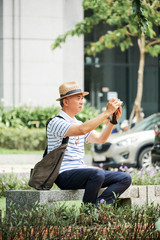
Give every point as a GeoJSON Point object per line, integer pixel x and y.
{"type": "Point", "coordinates": [83, 93]}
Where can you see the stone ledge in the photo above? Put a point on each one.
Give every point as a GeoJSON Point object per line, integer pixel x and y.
{"type": "Point", "coordinates": [64, 195]}
{"type": "Point", "coordinates": [136, 194]}
{"type": "Point", "coordinates": [154, 194]}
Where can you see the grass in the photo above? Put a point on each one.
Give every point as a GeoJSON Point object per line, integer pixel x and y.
{"type": "Point", "coordinates": [3, 205]}
{"type": "Point", "coordinates": [16, 151]}
{"type": "Point", "coordinates": [77, 203]}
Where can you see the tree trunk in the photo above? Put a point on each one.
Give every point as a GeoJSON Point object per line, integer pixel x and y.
{"type": "Point", "coordinates": [137, 109]}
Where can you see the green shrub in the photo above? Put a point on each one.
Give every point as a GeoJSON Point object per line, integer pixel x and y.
{"type": "Point", "coordinates": [26, 139]}
{"type": "Point", "coordinates": [87, 113]}
{"type": "Point", "coordinates": [14, 181]}
{"type": "Point", "coordinates": [61, 222]}
{"type": "Point", "coordinates": [29, 117]}
{"type": "Point", "coordinates": [148, 176]}
{"type": "Point", "coordinates": [24, 127]}
{"type": "Point", "coordinates": [23, 138]}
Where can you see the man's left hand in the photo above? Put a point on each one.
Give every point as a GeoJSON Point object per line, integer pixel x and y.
{"type": "Point", "coordinates": [118, 113]}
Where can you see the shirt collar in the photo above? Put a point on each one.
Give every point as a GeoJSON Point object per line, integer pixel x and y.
{"type": "Point", "coordinates": [67, 117]}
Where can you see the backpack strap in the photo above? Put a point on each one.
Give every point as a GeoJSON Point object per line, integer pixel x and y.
{"type": "Point", "coordinates": [65, 140]}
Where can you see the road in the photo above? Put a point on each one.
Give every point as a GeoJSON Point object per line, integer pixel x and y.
{"type": "Point", "coordinates": [24, 162]}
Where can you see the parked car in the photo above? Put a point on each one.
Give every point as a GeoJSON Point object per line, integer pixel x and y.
{"type": "Point", "coordinates": [131, 148]}
{"type": "Point", "coordinates": [155, 152]}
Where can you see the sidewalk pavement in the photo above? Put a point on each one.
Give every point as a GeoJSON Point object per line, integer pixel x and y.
{"type": "Point", "coordinates": [24, 162]}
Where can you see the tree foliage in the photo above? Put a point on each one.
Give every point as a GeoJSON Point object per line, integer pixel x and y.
{"type": "Point", "coordinates": [130, 18]}
{"type": "Point", "coordinates": [127, 20]}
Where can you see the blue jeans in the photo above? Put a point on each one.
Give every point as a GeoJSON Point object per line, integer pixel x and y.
{"type": "Point", "coordinates": [92, 179]}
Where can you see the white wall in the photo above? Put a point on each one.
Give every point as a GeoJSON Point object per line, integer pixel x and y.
{"type": "Point", "coordinates": [1, 48]}
{"type": "Point", "coordinates": [32, 72]}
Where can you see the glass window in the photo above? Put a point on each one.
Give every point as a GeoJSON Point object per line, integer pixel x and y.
{"type": "Point", "coordinates": [118, 72]}
{"type": "Point", "coordinates": [147, 124]}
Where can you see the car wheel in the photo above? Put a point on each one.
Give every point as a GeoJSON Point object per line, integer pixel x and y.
{"type": "Point", "coordinates": [144, 160]}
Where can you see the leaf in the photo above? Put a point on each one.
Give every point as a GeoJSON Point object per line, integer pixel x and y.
{"type": "Point", "coordinates": [154, 51]}
{"type": "Point", "coordinates": [138, 12]}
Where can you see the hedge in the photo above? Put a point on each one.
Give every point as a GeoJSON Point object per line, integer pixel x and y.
{"type": "Point", "coordinates": [25, 116]}
{"type": "Point", "coordinates": [25, 139]}
{"type": "Point", "coordinates": [24, 127]}
{"type": "Point", "coordinates": [22, 138]}
{"type": "Point", "coordinates": [29, 117]}
{"type": "Point", "coordinates": [62, 222]}
{"type": "Point", "coordinates": [19, 181]}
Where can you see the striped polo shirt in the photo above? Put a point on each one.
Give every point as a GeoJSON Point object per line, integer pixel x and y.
{"type": "Point", "coordinates": [56, 131]}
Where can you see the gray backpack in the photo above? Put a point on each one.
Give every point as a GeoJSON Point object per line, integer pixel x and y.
{"type": "Point", "coordinates": [45, 172]}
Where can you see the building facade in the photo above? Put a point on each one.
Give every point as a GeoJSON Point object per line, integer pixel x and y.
{"type": "Point", "coordinates": [115, 73]}
{"type": "Point", "coordinates": [30, 72]}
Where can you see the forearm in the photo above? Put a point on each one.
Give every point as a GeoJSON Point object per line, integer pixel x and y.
{"type": "Point", "coordinates": [104, 135]}
{"type": "Point", "coordinates": [94, 123]}
{"type": "Point", "coordinates": [101, 137]}
{"type": "Point", "coordinates": [88, 126]}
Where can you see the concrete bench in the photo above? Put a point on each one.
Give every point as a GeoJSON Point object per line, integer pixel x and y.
{"type": "Point", "coordinates": [136, 194]}
{"type": "Point", "coordinates": [154, 194]}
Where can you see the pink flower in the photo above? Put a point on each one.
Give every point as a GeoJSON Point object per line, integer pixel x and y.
{"type": "Point", "coordinates": [151, 168]}
{"type": "Point", "coordinates": [102, 200]}
{"type": "Point", "coordinates": [23, 173]}
{"type": "Point", "coordinates": [125, 167]}
{"type": "Point", "coordinates": [3, 183]}
{"type": "Point", "coordinates": [151, 174]}
{"type": "Point", "coordinates": [121, 168]}
{"type": "Point", "coordinates": [130, 169]}
{"type": "Point", "coordinates": [101, 165]}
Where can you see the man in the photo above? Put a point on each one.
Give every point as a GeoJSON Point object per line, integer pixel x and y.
{"type": "Point", "coordinates": [74, 174]}
{"type": "Point", "coordinates": [124, 125]}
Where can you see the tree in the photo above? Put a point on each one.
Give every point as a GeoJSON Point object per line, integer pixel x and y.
{"type": "Point", "coordinates": [130, 19]}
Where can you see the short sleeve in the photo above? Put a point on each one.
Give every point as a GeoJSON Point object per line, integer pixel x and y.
{"type": "Point", "coordinates": [58, 127]}
{"type": "Point", "coordinates": [86, 136]}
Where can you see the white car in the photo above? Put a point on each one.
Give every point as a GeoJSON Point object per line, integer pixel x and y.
{"type": "Point", "coordinates": [131, 148]}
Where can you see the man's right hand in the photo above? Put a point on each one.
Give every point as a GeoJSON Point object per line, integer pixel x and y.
{"type": "Point", "coordinates": [113, 105]}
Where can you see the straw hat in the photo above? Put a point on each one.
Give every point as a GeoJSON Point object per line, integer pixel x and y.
{"type": "Point", "coordinates": [69, 89]}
